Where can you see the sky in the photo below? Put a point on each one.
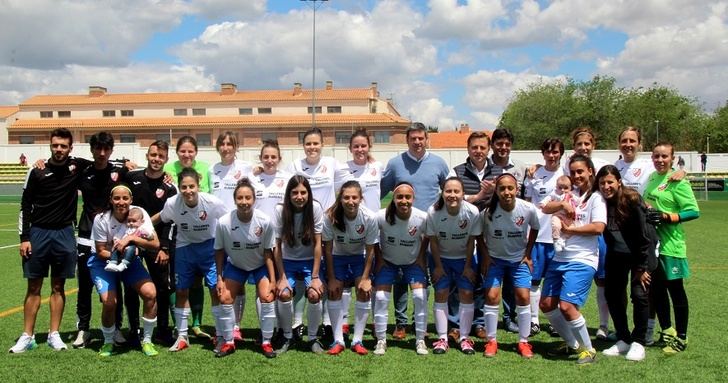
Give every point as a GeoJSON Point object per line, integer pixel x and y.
{"type": "Point", "coordinates": [443, 62]}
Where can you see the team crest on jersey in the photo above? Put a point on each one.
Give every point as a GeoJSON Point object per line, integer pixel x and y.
{"type": "Point", "coordinates": [159, 193]}
{"type": "Point", "coordinates": [636, 172]}
{"type": "Point", "coordinates": [237, 175]}
{"type": "Point", "coordinates": [323, 168]}
{"type": "Point", "coordinates": [71, 167]}
{"type": "Point", "coordinates": [373, 172]}
{"type": "Point", "coordinates": [412, 230]}
{"type": "Point", "coordinates": [463, 223]}
{"type": "Point", "coordinates": [279, 183]}
{"type": "Point", "coordinates": [662, 187]}
{"type": "Point", "coordinates": [359, 229]}
{"type": "Point", "coordinates": [203, 215]}
{"type": "Point", "coordinates": [519, 221]}
{"type": "Point", "coordinates": [114, 176]}
{"type": "Point", "coordinates": [258, 231]}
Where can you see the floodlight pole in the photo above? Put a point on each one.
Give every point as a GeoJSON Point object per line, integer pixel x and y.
{"type": "Point", "coordinates": [315, 4]}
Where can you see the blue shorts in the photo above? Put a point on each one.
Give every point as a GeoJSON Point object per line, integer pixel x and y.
{"type": "Point", "coordinates": [570, 281]}
{"type": "Point", "coordinates": [195, 258]}
{"type": "Point", "coordinates": [601, 270]}
{"type": "Point", "coordinates": [453, 275]}
{"type": "Point", "coordinates": [390, 273]}
{"type": "Point", "coordinates": [106, 281]}
{"type": "Point", "coordinates": [241, 276]}
{"type": "Point", "coordinates": [518, 271]}
{"type": "Point", "coordinates": [541, 255]}
{"type": "Point", "coordinates": [298, 271]}
{"type": "Point", "coordinates": [54, 249]}
{"type": "Point", "coordinates": [348, 268]}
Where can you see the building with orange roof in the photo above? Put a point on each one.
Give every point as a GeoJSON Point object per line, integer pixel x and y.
{"type": "Point", "coordinates": [255, 115]}
{"type": "Point", "coordinates": [454, 139]}
{"type": "Point", "coordinates": [6, 116]}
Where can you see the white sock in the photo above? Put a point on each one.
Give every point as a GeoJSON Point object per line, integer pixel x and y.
{"type": "Point", "coordinates": [238, 308]}
{"type": "Point", "coordinates": [299, 303]}
{"type": "Point", "coordinates": [257, 306]}
{"type": "Point", "coordinates": [108, 334]}
{"type": "Point", "coordinates": [285, 318]}
{"type": "Point", "coordinates": [440, 312]}
{"type": "Point", "coordinates": [267, 320]}
{"type": "Point", "coordinates": [345, 304]}
{"type": "Point", "coordinates": [361, 313]}
{"type": "Point", "coordinates": [180, 316]}
{"type": "Point", "coordinates": [603, 307]}
{"type": "Point", "coordinates": [419, 297]}
{"type": "Point", "coordinates": [217, 315]}
{"type": "Point", "coordinates": [523, 314]}
{"type": "Point", "coordinates": [466, 312]}
{"type": "Point", "coordinates": [148, 326]}
{"type": "Point", "coordinates": [227, 321]}
{"type": "Point", "coordinates": [314, 319]}
{"type": "Point", "coordinates": [535, 298]}
{"type": "Point", "coordinates": [381, 313]}
{"type": "Point", "coordinates": [491, 321]}
{"type": "Point", "coordinates": [325, 311]}
{"type": "Point", "coordinates": [581, 333]}
{"type": "Point", "coordinates": [336, 320]}
{"type": "Point", "coordinates": [559, 323]}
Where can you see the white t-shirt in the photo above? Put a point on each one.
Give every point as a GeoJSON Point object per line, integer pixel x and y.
{"type": "Point", "coordinates": [194, 224]}
{"type": "Point", "coordinates": [360, 231]}
{"type": "Point", "coordinates": [224, 179]}
{"type": "Point", "coordinates": [369, 177]}
{"type": "Point", "coordinates": [598, 164]}
{"type": "Point", "coordinates": [401, 242]}
{"type": "Point", "coordinates": [298, 252]}
{"type": "Point", "coordinates": [245, 243]}
{"type": "Point", "coordinates": [106, 228]}
{"type": "Point", "coordinates": [454, 231]}
{"type": "Point", "coordinates": [270, 189]}
{"type": "Point", "coordinates": [507, 235]}
{"type": "Point", "coordinates": [325, 178]}
{"type": "Point", "coordinates": [636, 173]}
{"type": "Point", "coordinates": [538, 188]}
{"type": "Point", "coordinates": [585, 248]}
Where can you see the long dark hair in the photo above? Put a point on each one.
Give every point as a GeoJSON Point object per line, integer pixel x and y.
{"type": "Point", "coordinates": [441, 201]}
{"type": "Point", "coordinates": [335, 213]}
{"type": "Point", "coordinates": [188, 172]}
{"type": "Point", "coordinates": [244, 183]}
{"type": "Point", "coordinates": [493, 204]}
{"type": "Point", "coordinates": [288, 213]}
{"type": "Point", "coordinates": [590, 165]}
{"type": "Point", "coordinates": [391, 213]}
{"type": "Point", "coordinates": [625, 197]}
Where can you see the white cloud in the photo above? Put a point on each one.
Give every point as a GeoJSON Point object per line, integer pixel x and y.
{"type": "Point", "coordinates": [229, 9]}
{"type": "Point", "coordinates": [432, 112]}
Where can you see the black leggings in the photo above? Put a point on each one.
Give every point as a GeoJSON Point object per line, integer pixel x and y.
{"type": "Point", "coordinates": [618, 269]}
{"type": "Point", "coordinates": [661, 293]}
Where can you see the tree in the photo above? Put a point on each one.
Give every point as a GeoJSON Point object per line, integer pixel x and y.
{"type": "Point", "coordinates": [717, 128]}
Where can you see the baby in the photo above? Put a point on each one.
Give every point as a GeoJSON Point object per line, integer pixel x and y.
{"type": "Point", "coordinates": [134, 222]}
{"type": "Point", "coordinates": [560, 219]}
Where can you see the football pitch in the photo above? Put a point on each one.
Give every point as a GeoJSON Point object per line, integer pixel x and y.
{"type": "Point", "coordinates": [703, 361]}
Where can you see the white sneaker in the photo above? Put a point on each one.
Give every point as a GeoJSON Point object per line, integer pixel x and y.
{"type": "Point", "coordinates": [25, 342]}
{"type": "Point", "coordinates": [55, 342]}
{"type": "Point", "coordinates": [82, 339]}
{"type": "Point", "coordinates": [119, 338]}
{"type": "Point", "coordinates": [110, 267]}
{"type": "Point", "coordinates": [602, 333]}
{"type": "Point", "coordinates": [421, 347]}
{"type": "Point", "coordinates": [381, 347]}
{"type": "Point", "coordinates": [619, 348]}
{"type": "Point", "coordinates": [123, 265]}
{"type": "Point", "coordinates": [636, 352]}
{"type": "Point", "coordinates": [559, 244]}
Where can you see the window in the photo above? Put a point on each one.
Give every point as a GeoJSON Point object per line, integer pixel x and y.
{"type": "Point", "coordinates": [381, 137]}
{"type": "Point", "coordinates": [268, 137]}
{"type": "Point", "coordinates": [180, 112]}
{"type": "Point", "coordinates": [318, 110]}
{"type": "Point", "coordinates": [87, 138]}
{"type": "Point", "coordinates": [245, 111]}
{"type": "Point", "coordinates": [300, 137]}
{"type": "Point", "coordinates": [343, 137]}
{"type": "Point", "coordinates": [163, 137]}
{"type": "Point", "coordinates": [127, 113]}
{"type": "Point", "coordinates": [64, 113]}
{"type": "Point", "coordinates": [26, 139]}
{"type": "Point", "coordinates": [46, 114]}
{"type": "Point", "coordinates": [204, 139]}
{"type": "Point", "coordinates": [265, 111]}
{"type": "Point", "coordinates": [127, 138]}
{"type": "Point", "coordinates": [199, 112]}
{"type": "Point", "coordinates": [109, 113]}
{"type": "Point", "coordinates": [333, 109]}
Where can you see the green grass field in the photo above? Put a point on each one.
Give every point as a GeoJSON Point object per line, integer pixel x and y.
{"type": "Point", "coordinates": [704, 359]}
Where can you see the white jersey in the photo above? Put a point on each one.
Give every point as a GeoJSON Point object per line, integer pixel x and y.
{"type": "Point", "coordinates": [538, 188]}
{"type": "Point", "coordinates": [369, 177]}
{"type": "Point", "coordinates": [270, 189]}
{"type": "Point", "coordinates": [245, 243]}
{"type": "Point", "coordinates": [360, 231]}
{"type": "Point", "coordinates": [298, 252]}
{"type": "Point", "coordinates": [194, 224]}
{"type": "Point", "coordinates": [598, 164]}
{"type": "Point", "coordinates": [636, 173]}
{"type": "Point", "coordinates": [401, 242]}
{"type": "Point", "coordinates": [507, 235]}
{"type": "Point", "coordinates": [584, 248]}
{"type": "Point", "coordinates": [454, 231]}
{"type": "Point", "coordinates": [224, 179]}
{"type": "Point", "coordinates": [325, 178]}
{"type": "Point", "coordinates": [106, 228]}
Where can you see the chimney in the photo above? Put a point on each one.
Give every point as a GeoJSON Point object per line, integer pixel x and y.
{"type": "Point", "coordinates": [297, 89]}
{"type": "Point", "coordinates": [96, 91]}
{"type": "Point", "coordinates": [465, 128]}
{"type": "Point", "coordinates": [228, 88]}
{"type": "Point", "coordinates": [373, 87]}
{"type": "Point", "coordinates": [329, 85]}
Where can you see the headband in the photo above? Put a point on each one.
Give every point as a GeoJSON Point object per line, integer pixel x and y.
{"type": "Point", "coordinates": [505, 175]}
{"type": "Point", "coordinates": [403, 184]}
{"type": "Point", "coordinates": [121, 187]}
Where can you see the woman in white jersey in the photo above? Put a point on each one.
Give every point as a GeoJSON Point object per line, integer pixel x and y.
{"type": "Point", "coordinates": [403, 245]}
{"type": "Point", "coordinates": [107, 233]}
{"type": "Point", "coordinates": [510, 228]}
{"type": "Point", "coordinates": [298, 222]}
{"type": "Point", "coordinates": [452, 226]}
{"type": "Point", "coordinates": [195, 214]}
{"type": "Point", "coordinates": [224, 177]}
{"type": "Point", "coordinates": [244, 241]}
{"type": "Point", "coordinates": [569, 276]}
{"type": "Point", "coordinates": [270, 184]}
{"type": "Point", "coordinates": [349, 236]}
